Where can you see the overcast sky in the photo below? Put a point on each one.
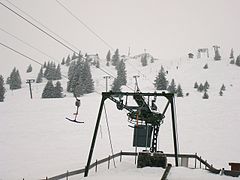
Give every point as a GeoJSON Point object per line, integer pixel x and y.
{"type": "Point", "coordinates": [165, 28]}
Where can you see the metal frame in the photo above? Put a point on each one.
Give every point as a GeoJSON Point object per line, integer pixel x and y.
{"type": "Point", "coordinates": [108, 95]}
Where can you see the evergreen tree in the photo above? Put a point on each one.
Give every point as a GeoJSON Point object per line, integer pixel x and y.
{"type": "Point", "coordinates": [45, 65]}
{"type": "Point", "coordinates": [205, 66]}
{"type": "Point", "coordinates": [116, 86]}
{"type": "Point", "coordinates": [87, 78]}
{"type": "Point", "coordinates": [40, 76]}
{"type": "Point", "coordinates": [58, 74]}
{"type": "Point", "coordinates": [49, 90]}
{"type": "Point", "coordinates": [232, 61]}
{"type": "Point", "coordinates": [108, 58]}
{"type": "Point", "coordinates": [121, 73]}
{"type": "Point", "coordinates": [58, 91]}
{"type": "Point", "coordinates": [231, 54]}
{"type": "Point", "coordinates": [116, 58]}
{"type": "Point", "coordinates": [205, 95]}
{"type": "Point", "coordinates": [172, 87]}
{"type": "Point", "coordinates": [161, 82]}
{"type": "Point", "coordinates": [221, 93]}
{"type": "Point", "coordinates": [223, 88]}
{"type": "Point", "coordinates": [144, 60]}
{"type": "Point", "coordinates": [97, 64]}
{"type": "Point", "coordinates": [152, 60]}
{"type": "Point", "coordinates": [68, 60]}
{"type": "Point", "coordinates": [74, 56]}
{"type": "Point", "coordinates": [238, 61]}
{"type": "Point", "coordinates": [196, 85]}
{"type": "Point", "coordinates": [15, 80]}
{"type": "Point", "coordinates": [63, 61]}
{"type": "Point", "coordinates": [200, 88]}
{"type": "Point", "coordinates": [206, 85]}
{"type": "Point", "coordinates": [217, 56]}
{"type": "Point", "coordinates": [179, 91]}
{"type": "Point", "coordinates": [8, 80]}
{"type": "Point", "coordinates": [2, 89]}
{"type": "Point", "coordinates": [29, 69]}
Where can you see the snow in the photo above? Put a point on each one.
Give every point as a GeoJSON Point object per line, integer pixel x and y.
{"type": "Point", "coordinates": [36, 141]}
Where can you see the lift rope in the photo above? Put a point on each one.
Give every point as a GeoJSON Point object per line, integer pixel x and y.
{"type": "Point", "coordinates": [109, 134]}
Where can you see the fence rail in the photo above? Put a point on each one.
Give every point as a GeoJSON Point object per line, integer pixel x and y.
{"type": "Point", "coordinates": [108, 159]}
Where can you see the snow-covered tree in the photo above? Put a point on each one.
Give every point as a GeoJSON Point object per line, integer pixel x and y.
{"type": "Point", "coordinates": [144, 60]}
{"type": "Point", "coordinates": [200, 88]}
{"type": "Point", "coordinates": [68, 60]}
{"type": "Point", "coordinates": [161, 82]}
{"type": "Point", "coordinates": [221, 93]}
{"type": "Point", "coordinates": [205, 95]}
{"type": "Point", "coordinates": [238, 61]}
{"type": "Point", "coordinates": [121, 73]}
{"type": "Point", "coordinates": [29, 69]}
{"type": "Point", "coordinates": [172, 87]}
{"type": "Point", "coordinates": [231, 54]}
{"type": "Point", "coordinates": [179, 91]}
{"type": "Point", "coordinates": [217, 56]}
{"type": "Point", "coordinates": [2, 89]}
{"type": "Point", "coordinates": [63, 61]}
{"type": "Point", "coordinates": [49, 90]}
{"type": "Point", "coordinates": [87, 78]}
{"type": "Point", "coordinates": [116, 58]}
{"type": "Point", "coordinates": [223, 88]}
{"type": "Point", "coordinates": [15, 80]}
{"type": "Point", "coordinates": [195, 85]}
{"type": "Point", "coordinates": [205, 66]}
{"type": "Point", "coordinates": [116, 86]}
{"type": "Point", "coordinates": [206, 85]}
{"type": "Point", "coordinates": [108, 58]}
{"type": "Point", "coordinates": [58, 90]}
{"type": "Point", "coordinates": [40, 76]}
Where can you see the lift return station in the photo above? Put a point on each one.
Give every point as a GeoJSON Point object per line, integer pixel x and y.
{"type": "Point", "coordinates": [146, 120]}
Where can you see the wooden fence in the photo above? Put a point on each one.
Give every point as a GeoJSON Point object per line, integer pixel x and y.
{"type": "Point", "coordinates": [198, 163]}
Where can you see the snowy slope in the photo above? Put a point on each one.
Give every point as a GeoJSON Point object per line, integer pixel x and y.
{"type": "Point", "coordinates": [36, 141]}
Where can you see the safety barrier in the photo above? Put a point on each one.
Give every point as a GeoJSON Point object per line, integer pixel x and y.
{"type": "Point", "coordinates": [196, 158]}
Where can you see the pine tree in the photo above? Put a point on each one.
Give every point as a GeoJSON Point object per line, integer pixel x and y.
{"type": "Point", "coordinates": [63, 61]}
{"type": "Point", "coordinates": [68, 60]}
{"type": "Point", "coordinates": [217, 56]}
{"type": "Point", "coordinates": [45, 65]}
{"type": "Point", "coordinates": [206, 85]}
{"type": "Point", "coordinates": [200, 88]}
{"type": "Point", "coordinates": [231, 54]}
{"type": "Point", "coordinates": [232, 61]}
{"type": "Point", "coordinates": [238, 61]}
{"type": "Point", "coordinates": [15, 80]}
{"type": "Point", "coordinates": [161, 82]}
{"type": "Point", "coordinates": [121, 73]}
{"type": "Point", "coordinates": [108, 58]}
{"type": "Point", "coordinates": [144, 60]}
{"type": "Point", "coordinates": [58, 91]}
{"type": "Point", "coordinates": [29, 69]}
{"type": "Point", "coordinates": [152, 60]}
{"type": "Point", "coordinates": [205, 66]}
{"type": "Point", "coordinates": [179, 91]}
{"type": "Point", "coordinates": [223, 88]}
{"type": "Point", "coordinates": [87, 78]}
{"type": "Point", "coordinates": [74, 56]}
{"type": "Point", "coordinates": [221, 93]}
{"type": "Point", "coordinates": [2, 89]}
{"type": "Point", "coordinates": [116, 86]}
{"type": "Point", "coordinates": [58, 74]}
{"type": "Point", "coordinates": [172, 87]}
{"type": "Point", "coordinates": [49, 90]}
{"type": "Point", "coordinates": [205, 95]}
{"type": "Point", "coordinates": [195, 85]}
{"type": "Point", "coordinates": [97, 64]}
{"type": "Point", "coordinates": [116, 58]}
{"type": "Point", "coordinates": [40, 76]}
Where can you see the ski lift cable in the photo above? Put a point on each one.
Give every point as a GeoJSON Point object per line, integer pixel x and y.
{"type": "Point", "coordinates": [96, 35]}
{"type": "Point", "coordinates": [29, 45]}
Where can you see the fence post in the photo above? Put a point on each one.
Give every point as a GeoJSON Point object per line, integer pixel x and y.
{"type": "Point", "coordinates": [195, 160]}
{"type": "Point", "coordinates": [67, 175]}
{"type": "Point", "coordinates": [96, 166]}
{"type": "Point", "coordinates": [200, 163]}
{"type": "Point", "coordinates": [121, 156]}
{"type": "Point", "coordinates": [108, 161]}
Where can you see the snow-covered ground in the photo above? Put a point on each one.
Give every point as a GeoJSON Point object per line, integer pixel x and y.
{"type": "Point", "coordinates": [36, 141]}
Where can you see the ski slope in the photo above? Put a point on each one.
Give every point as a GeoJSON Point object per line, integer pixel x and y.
{"type": "Point", "coordinates": [36, 141]}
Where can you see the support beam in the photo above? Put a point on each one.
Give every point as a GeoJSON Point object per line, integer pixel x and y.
{"type": "Point", "coordinates": [94, 137]}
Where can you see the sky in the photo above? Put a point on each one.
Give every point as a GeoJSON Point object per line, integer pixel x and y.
{"type": "Point", "coordinates": [164, 28]}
